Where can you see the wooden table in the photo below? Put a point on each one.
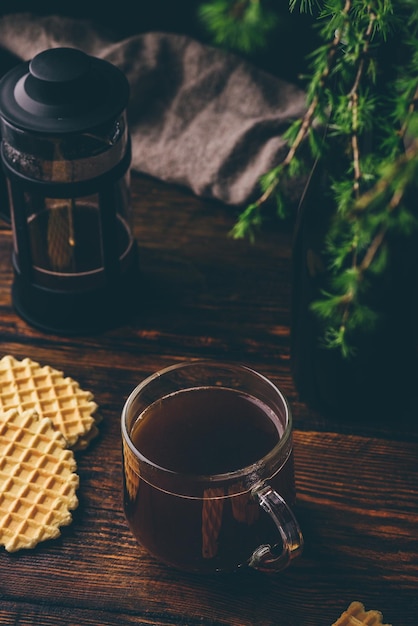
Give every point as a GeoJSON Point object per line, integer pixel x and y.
{"type": "Point", "coordinates": [206, 295]}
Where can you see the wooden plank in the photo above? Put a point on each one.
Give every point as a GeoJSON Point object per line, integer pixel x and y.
{"type": "Point", "coordinates": [207, 296]}
{"type": "Point", "coordinates": [354, 496]}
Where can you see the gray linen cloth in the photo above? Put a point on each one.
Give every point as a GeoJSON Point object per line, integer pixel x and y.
{"type": "Point", "coordinates": [199, 117]}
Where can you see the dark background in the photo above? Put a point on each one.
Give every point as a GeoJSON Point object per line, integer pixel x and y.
{"type": "Point", "coordinates": [285, 54]}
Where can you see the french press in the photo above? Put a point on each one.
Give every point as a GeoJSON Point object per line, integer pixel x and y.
{"type": "Point", "coordinates": [66, 155]}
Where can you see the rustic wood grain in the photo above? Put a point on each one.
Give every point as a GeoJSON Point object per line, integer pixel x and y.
{"type": "Point", "coordinates": [206, 295]}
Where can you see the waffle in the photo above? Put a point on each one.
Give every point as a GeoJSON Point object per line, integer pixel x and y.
{"type": "Point", "coordinates": [356, 615]}
{"type": "Point", "coordinates": [26, 385]}
{"type": "Point", "coordinates": [38, 480]}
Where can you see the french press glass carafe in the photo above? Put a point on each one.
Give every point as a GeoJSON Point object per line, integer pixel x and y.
{"type": "Point", "coordinates": [66, 154]}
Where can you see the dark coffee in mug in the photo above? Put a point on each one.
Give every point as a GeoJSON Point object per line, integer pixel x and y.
{"type": "Point", "coordinates": [196, 434]}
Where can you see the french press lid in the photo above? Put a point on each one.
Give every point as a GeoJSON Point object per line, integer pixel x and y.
{"type": "Point", "coordinates": [63, 90]}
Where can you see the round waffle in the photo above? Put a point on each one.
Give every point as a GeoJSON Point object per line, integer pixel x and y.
{"type": "Point", "coordinates": [27, 385]}
{"type": "Point", "coordinates": [38, 480]}
{"type": "Point", "coordinates": [356, 615]}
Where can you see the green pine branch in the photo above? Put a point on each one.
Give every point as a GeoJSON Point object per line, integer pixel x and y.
{"type": "Point", "coordinates": [356, 90]}
{"type": "Point", "coordinates": [238, 24]}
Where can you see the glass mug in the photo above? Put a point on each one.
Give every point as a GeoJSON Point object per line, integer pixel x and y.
{"type": "Point", "coordinates": [208, 469]}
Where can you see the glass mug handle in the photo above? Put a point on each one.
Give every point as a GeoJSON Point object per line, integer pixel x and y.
{"type": "Point", "coordinates": [266, 558]}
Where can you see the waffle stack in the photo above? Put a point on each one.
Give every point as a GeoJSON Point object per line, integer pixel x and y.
{"type": "Point", "coordinates": [356, 615]}
{"type": "Point", "coordinates": [44, 419]}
